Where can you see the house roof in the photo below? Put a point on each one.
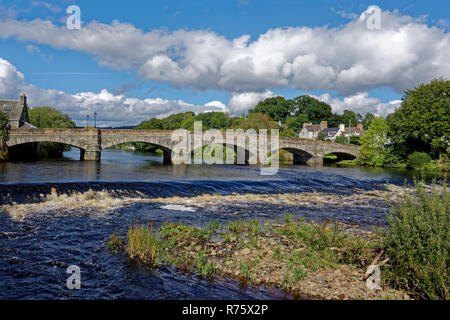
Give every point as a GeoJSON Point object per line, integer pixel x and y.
{"type": "Point", "coordinates": [12, 108]}
{"type": "Point", "coordinates": [313, 128]}
{"type": "Point", "coordinates": [352, 130]}
{"type": "Point", "coordinates": [330, 131]}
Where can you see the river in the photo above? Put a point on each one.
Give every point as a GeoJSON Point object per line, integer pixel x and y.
{"type": "Point", "coordinates": [42, 234]}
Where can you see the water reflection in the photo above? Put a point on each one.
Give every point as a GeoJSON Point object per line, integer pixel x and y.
{"type": "Point", "coordinates": [122, 165]}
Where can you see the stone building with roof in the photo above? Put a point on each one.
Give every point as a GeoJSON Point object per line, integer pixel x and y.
{"type": "Point", "coordinates": [311, 131]}
{"type": "Point", "coordinates": [17, 112]}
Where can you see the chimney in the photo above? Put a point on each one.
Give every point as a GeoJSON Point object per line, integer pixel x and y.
{"type": "Point", "coordinates": [323, 124]}
{"type": "Point", "coordinates": [305, 124]}
{"type": "Point", "coordinates": [359, 126]}
{"type": "Point", "coordinates": [23, 99]}
{"type": "Point", "coordinates": [342, 127]}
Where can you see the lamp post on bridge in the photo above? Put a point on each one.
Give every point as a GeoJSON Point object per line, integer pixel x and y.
{"type": "Point", "coordinates": [95, 119]}
{"type": "Point", "coordinates": [87, 121]}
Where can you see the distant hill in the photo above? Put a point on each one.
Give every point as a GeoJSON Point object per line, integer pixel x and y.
{"type": "Point", "coordinates": [123, 127]}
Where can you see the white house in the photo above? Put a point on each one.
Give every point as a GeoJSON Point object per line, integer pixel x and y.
{"type": "Point", "coordinates": [311, 131]}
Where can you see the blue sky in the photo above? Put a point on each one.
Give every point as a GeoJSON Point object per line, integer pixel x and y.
{"type": "Point", "coordinates": [79, 68]}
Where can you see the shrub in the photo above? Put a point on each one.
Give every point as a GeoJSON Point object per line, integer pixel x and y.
{"type": "Point", "coordinates": [341, 139]}
{"type": "Point", "coordinates": [418, 242]}
{"type": "Point", "coordinates": [417, 160]}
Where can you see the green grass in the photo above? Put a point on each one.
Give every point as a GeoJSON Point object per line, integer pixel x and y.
{"type": "Point", "coordinates": [142, 245]}
{"type": "Point", "coordinates": [114, 243]}
{"type": "Point", "coordinates": [418, 242]}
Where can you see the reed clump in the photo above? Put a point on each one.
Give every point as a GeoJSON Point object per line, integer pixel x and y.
{"type": "Point", "coordinates": [143, 245]}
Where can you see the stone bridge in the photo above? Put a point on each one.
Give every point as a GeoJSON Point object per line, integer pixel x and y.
{"type": "Point", "coordinates": [92, 141]}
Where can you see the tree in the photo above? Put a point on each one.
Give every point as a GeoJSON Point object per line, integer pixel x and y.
{"type": "Point", "coordinates": [214, 120]}
{"type": "Point", "coordinates": [349, 117]}
{"type": "Point", "coordinates": [296, 123]}
{"type": "Point", "coordinates": [373, 152]}
{"type": "Point", "coordinates": [422, 122]}
{"type": "Point", "coordinates": [151, 124]}
{"type": "Point", "coordinates": [277, 108]}
{"type": "Point", "coordinates": [367, 120]}
{"type": "Point", "coordinates": [255, 121]}
{"type": "Point", "coordinates": [316, 110]}
{"type": "Point", "coordinates": [4, 127]}
{"type": "Point", "coordinates": [47, 117]}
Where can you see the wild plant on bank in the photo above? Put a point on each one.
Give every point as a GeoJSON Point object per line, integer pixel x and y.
{"type": "Point", "coordinates": [142, 245]}
{"type": "Point", "coordinates": [418, 242]}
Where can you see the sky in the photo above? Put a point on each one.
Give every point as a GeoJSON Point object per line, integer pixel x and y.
{"type": "Point", "coordinates": [133, 60]}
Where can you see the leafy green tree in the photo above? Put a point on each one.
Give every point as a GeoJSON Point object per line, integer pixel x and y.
{"type": "Point", "coordinates": [47, 117]}
{"type": "Point", "coordinates": [214, 120]}
{"type": "Point", "coordinates": [277, 108]}
{"type": "Point", "coordinates": [316, 110]}
{"type": "Point", "coordinates": [367, 120]}
{"type": "Point", "coordinates": [255, 121]}
{"type": "Point", "coordinates": [296, 123]}
{"type": "Point", "coordinates": [422, 122]}
{"type": "Point", "coordinates": [151, 124]}
{"type": "Point", "coordinates": [373, 151]}
{"type": "Point", "coordinates": [288, 133]}
{"type": "Point", "coordinates": [349, 117]}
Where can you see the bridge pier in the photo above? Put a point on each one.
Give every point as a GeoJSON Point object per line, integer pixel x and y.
{"type": "Point", "coordinates": [315, 161]}
{"type": "Point", "coordinates": [91, 154]}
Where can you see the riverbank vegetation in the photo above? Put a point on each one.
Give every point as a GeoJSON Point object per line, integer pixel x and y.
{"type": "Point", "coordinates": [311, 259]}
{"type": "Point", "coordinates": [418, 242]}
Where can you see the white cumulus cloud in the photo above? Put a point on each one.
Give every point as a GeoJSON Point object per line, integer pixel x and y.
{"type": "Point", "coordinates": [347, 59]}
{"type": "Point", "coordinates": [361, 103]}
{"type": "Point", "coordinates": [112, 110]}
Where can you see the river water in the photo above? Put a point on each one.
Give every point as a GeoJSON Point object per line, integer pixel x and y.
{"type": "Point", "coordinates": [42, 234]}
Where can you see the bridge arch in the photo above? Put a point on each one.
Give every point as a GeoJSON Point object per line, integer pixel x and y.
{"type": "Point", "coordinates": [300, 156]}
{"type": "Point", "coordinates": [63, 140]}
{"type": "Point", "coordinates": [167, 151]}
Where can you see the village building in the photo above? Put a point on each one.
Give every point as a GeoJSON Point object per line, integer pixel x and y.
{"type": "Point", "coordinates": [17, 112]}
{"type": "Point", "coordinates": [354, 131]}
{"type": "Point", "coordinates": [312, 131]}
